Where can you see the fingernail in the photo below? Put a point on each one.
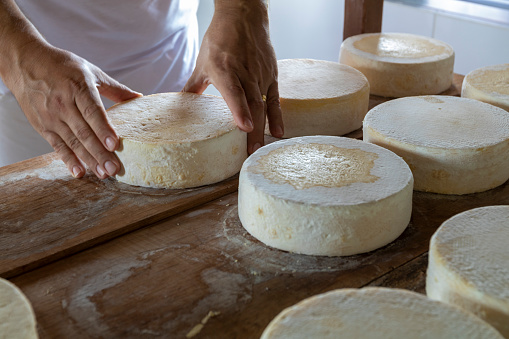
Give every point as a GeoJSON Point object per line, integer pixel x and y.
{"type": "Point", "coordinates": [248, 123]}
{"type": "Point", "coordinates": [76, 170]}
{"type": "Point", "coordinates": [110, 144]}
{"type": "Point", "coordinates": [99, 171]}
{"type": "Point", "coordinates": [256, 146]}
{"type": "Point", "coordinates": [279, 131]}
{"type": "Point", "coordinates": [110, 168]}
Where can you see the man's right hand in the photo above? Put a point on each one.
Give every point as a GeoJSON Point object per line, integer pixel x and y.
{"type": "Point", "coordinates": [59, 93]}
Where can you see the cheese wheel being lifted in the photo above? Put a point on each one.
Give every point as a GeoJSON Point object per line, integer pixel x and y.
{"type": "Point", "coordinates": [378, 313]}
{"type": "Point", "coordinates": [400, 64]}
{"type": "Point", "coordinates": [325, 195]}
{"type": "Point", "coordinates": [488, 84]}
{"type": "Point", "coordinates": [17, 318]}
{"type": "Point", "coordinates": [452, 145]}
{"type": "Point", "coordinates": [321, 97]}
{"type": "Point", "coordinates": [177, 140]}
{"type": "Point", "coordinates": [469, 264]}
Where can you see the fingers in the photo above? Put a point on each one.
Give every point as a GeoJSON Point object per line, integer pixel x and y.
{"type": "Point", "coordinates": [233, 93]}
{"type": "Point", "coordinates": [115, 91]}
{"type": "Point", "coordinates": [93, 139]}
{"type": "Point", "coordinates": [274, 115]}
{"type": "Point", "coordinates": [255, 139]}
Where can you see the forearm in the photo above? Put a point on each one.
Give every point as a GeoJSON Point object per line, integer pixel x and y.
{"type": "Point", "coordinates": [16, 32]}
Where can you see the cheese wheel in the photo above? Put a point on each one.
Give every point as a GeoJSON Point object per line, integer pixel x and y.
{"type": "Point", "coordinates": [321, 97]}
{"type": "Point", "coordinates": [453, 145]}
{"type": "Point", "coordinates": [17, 318]}
{"type": "Point", "coordinates": [469, 264]}
{"type": "Point", "coordinates": [399, 64]}
{"type": "Point", "coordinates": [177, 140]}
{"type": "Point", "coordinates": [375, 312]}
{"type": "Point", "coordinates": [488, 84]}
{"type": "Point", "coordinates": [325, 195]}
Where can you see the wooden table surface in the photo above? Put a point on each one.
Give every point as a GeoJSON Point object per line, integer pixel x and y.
{"type": "Point", "coordinates": [98, 259]}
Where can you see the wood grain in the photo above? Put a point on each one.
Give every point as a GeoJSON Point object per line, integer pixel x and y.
{"type": "Point", "coordinates": [164, 279]}
{"type": "Point", "coordinates": [46, 214]}
{"type": "Point", "coordinates": [362, 16]}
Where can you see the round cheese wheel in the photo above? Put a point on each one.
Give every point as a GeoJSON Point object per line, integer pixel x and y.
{"type": "Point", "coordinates": [469, 264]}
{"type": "Point", "coordinates": [488, 84]}
{"type": "Point", "coordinates": [17, 318]}
{"type": "Point", "coordinates": [321, 97]}
{"type": "Point", "coordinates": [177, 140]}
{"type": "Point", "coordinates": [375, 312]}
{"type": "Point", "coordinates": [325, 195]}
{"type": "Point", "coordinates": [453, 145]}
{"type": "Point", "coordinates": [400, 64]}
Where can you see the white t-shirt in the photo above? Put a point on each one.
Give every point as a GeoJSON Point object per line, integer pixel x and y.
{"type": "Point", "coordinates": [148, 45]}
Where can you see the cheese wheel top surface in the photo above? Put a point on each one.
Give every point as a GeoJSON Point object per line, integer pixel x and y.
{"type": "Point", "coordinates": [326, 170]}
{"type": "Point", "coordinates": [474, 245]}
{"type": "Point", "coordinates": [491, 79]}
{"type": "Point", "coordinates": [375, 312]}
{"type": "Point", "coordinates": [440, 122]}
{"type": "Point", "coordinates": [172, 118]}
{"type": "Point", "coordinates": [317, 79]}
{"type": "Point", "coordinates": [17, 319]}
{"type": "Point", "coordinates": [399, 47]}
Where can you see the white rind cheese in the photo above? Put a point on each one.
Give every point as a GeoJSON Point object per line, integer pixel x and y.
{"type": "Point", "coordinates": [177, 140]}
{"type": "Point", "coordinates": [400, 64]}
{"type": "Point", "coordinates": [452, 145]}
{"type": "Point", "coordinates": [375, 312]}
{"type": "Point", "coordinates": [321, 97]}
{"type": "Point", "coordinates": [325, 195]}
{"type": "Point", "coordinates": [469, 264]}
{"type": "Point", "coordinates": [488, 84]}
{"type": "Point", "coordinates": [17, 318]}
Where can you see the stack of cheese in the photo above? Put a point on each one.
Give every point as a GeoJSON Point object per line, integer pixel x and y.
{"type": "Point", "coordinates": [17, 318]}
{"type": "Point", "coordinates": [488, 84]}
{"type": "Point", "coordinates": [398, 64]}
{"type": "Point", "coordinates": [376, 313]}
{"type": "Point", "coordinates": [325, 195]}
{"type": "Point", "coordinates": [321, 97]}
{"type": "Point", "coordinates": [177, 140]}
{"type": "Point", "coordinates": [452, 145]}
{"type": "Point", "coordinates": [469, 264]}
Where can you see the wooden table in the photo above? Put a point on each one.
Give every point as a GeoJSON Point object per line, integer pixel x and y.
{"type": "Point", "coordinates": [104, 260]}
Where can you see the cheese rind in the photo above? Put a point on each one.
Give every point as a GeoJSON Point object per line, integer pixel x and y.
{"type": "Point", "coordinates": [321, 97]}
{"type": "Point", "coordinates": [177, 140]}
{"type": "Point", "coordinates": [375, 312]}
{"type": "Point", "coordinates": [469, 264]}
{"type": "Point", "coordinates": [452, 145]}
{"type": "Point", "coordinates": [489, 84]}
{"type": "Point", "coordinates": [400, 64]}
{"type": "Point", "coordinates": [17, 318]}
{"type": "Point", "coordinates": [325, 195]}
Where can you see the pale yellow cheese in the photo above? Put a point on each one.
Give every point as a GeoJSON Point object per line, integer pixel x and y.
{"type": "Point", "coordinates": [375, 313]}
{"type": "Point", "coordinates": [321, 97]}
{"type": "Point", "coordinates": [488, 84]}
{"type": "Point", "coordinates": [400, 64]}
{"type": "Point", "coordinates": [452, 145]}
{"type": "Point", "coordinates": [469, 264]}
{"type": "Point", "coordinates": [325, 195]}
{"type": "Point", "coordinates": [17, 318]}
{"type": "Point", "coordinates": [177, 140]}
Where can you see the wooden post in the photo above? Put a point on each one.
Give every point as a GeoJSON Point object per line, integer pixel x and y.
{"type": "Point", "coordinates": [362, 16]}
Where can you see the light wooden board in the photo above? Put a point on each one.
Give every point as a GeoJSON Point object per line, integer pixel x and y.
{"type": "Point", "coordinates": [46, 214]}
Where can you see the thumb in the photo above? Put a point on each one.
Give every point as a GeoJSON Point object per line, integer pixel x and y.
{"type": "Point", "coordinates": [195, 85]}
{"type": "Point", "coordinates": [114, 90]}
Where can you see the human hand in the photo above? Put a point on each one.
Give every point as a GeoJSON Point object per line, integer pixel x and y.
{"type": "Point", "coordinates": [59, 93]}
{"type": "Point", "coordinates": [237, 57]}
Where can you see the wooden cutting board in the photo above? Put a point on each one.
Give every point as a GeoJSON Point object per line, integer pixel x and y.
{"type": "Point", "coordinates": [46, 214]}
{"type": "Point", "coordinates": [163, 280]}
